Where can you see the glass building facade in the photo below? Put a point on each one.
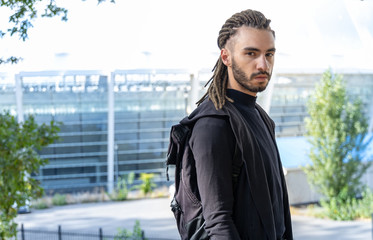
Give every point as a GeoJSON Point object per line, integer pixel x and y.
{"type": "Point", "coordinates": [118, 122]}
{"type": "Point", "coordinates": [79, 102]}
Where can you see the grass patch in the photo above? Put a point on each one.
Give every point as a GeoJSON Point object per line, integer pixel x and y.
{"type": "Point", "coordinates": [340, 209]}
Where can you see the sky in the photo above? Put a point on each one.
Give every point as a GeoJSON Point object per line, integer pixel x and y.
{"type": "Point", "coordinates": [182, 34]}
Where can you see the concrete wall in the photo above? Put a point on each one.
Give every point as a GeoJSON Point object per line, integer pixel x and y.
{"type": "Point", "coordinates": [301, 192]}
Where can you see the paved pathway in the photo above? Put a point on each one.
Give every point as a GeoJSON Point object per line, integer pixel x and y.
{"type": "Point", "coordinates": [157, 220]}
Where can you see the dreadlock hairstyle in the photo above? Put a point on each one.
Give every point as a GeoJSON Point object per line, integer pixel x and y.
{"type": "Point", "coordinates": [219, 80]}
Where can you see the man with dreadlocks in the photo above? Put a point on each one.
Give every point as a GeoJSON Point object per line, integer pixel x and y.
{"type": "Point", "coordinates": [230, 126]}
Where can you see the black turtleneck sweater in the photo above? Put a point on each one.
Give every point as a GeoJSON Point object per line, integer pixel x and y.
{"type": "Point", "coordinates": [213, 145]}
{"type": "Point", "coordinates": [246, 105]}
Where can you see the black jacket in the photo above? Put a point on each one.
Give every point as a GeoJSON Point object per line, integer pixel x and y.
{"type": "Point", "coordinates": [246, 211]}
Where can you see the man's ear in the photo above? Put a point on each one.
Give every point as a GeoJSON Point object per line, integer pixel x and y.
{"type": "Point", "coordinates": [226, 57]}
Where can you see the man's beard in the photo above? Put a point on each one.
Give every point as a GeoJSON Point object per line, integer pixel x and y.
{"type": "Point", "coordinates": [245, 82]}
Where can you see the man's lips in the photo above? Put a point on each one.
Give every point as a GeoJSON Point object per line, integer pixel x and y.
{"type": "Point", "coordinates": [261, 77]}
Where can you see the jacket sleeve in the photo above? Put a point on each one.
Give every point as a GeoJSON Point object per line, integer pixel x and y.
{"type": "Point", "coordinates": [213, 143]}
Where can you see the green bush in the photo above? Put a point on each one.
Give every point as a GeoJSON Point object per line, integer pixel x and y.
{"type": "Point", "coordinates": [40, 204]}
{"type": "Point", "coordinates": [59, 199]}
{"type": "Point", "coordinates": [123, 187]}
{"type": "Point", "coordinates": [147, 184]}
{"type": "Point", "coordinates": [337, 209]}
{"type": "Point", "coordinates": [136, 234]}
{"type": "Point", "coordinates": [365, 208]}
{"type": "Point", "coordinates": [347, 208]}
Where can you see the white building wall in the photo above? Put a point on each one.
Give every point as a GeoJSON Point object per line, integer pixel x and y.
{"type": "Point", "coordinates": [301, 192]}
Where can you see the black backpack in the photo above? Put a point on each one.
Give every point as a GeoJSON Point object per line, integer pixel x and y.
{"type": "Point", "coordinates": [186, 204]}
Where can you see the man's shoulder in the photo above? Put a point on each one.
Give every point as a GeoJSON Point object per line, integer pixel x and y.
{"type": "Point", "coordinates": [212, 128]}
{"type": "Point", "coordinates": [205, 110]}
{"type": "Point", "coordinates": [210, 122]}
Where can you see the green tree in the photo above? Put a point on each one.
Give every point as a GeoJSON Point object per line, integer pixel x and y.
{"type": "Point", "coordinates": [337, 130]}
{"type": "Point", "coordinates": [19, 159]}
{"type": "Point", "coordinates": [24, 12]}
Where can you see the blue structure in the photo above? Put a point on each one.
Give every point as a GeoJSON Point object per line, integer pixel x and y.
{"type": "Point", "coordinates": [118, 122]}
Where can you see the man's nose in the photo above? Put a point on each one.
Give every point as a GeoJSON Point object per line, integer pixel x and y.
{"type": "Point", "coordinates": [262, 63]}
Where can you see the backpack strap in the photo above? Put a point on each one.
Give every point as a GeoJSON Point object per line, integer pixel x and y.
{"type": "Point", "coordinates": [178, 135]}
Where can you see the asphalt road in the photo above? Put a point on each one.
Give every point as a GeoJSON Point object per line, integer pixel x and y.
{"type": "Point", "coordinates": [157, 221]}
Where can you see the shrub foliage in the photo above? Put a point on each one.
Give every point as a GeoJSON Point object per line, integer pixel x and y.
{"type": "Point", "coordinates": [19, 159]}
{"type": "Point", "coordinates": [337, 131]}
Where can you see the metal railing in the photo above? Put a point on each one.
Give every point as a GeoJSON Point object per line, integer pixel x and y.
{"type": "Point", "coordinates": [38, 234]}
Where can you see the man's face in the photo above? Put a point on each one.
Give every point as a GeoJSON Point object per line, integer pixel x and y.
{"type": "Point", "coordinates": [250, 59]}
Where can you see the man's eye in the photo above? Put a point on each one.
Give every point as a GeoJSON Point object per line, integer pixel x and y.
{"type": "Point", "coordinates": [251, 53]}
{"type": "Point", "coordinates": [270, 54]}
